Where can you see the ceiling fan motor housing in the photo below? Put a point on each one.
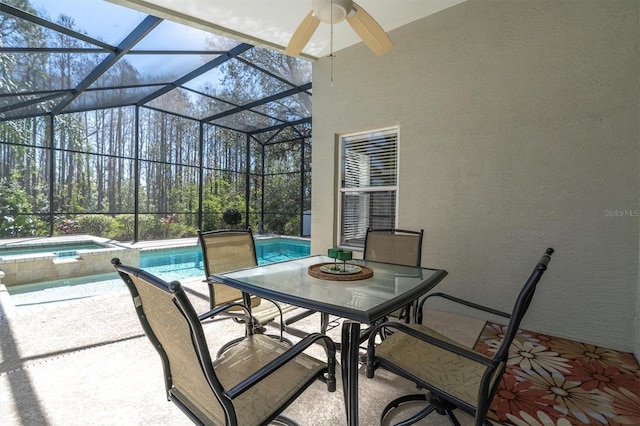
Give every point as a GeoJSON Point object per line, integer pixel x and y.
{"type": "Point", "coordinates": [331, 11]}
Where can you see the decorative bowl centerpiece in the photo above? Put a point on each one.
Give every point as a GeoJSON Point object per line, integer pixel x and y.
{"type": "Point", "coordinates": [336, 271]}
{"type": "Point", "coordinates": [337, 268]}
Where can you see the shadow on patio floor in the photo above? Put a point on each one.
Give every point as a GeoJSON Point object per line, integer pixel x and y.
{"type": "Point", "coordinates": [88, 362]}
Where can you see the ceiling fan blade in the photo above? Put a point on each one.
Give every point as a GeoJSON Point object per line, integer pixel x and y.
{"type": "Point", "coordinates": [302, 35]}
{"type": "Point", "coordinates": [369, 31]}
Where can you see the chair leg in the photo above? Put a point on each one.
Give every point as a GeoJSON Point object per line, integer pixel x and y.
{"type": "Point", "coordinates": [282, 420]}
{"type": "Point", "coordinates": [452, 418]}
{"type": "Point", "coordinates": [403, 400]}
{"type": "Point", "coordinates": [407, 313]}
{"type": "Point", "coordinates": [436, 404]}
{"type": "Point", "coordinates": [324, 322]}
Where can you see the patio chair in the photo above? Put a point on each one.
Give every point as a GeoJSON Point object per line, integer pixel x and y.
{"type": "Point", "coordinates": [249, 384]}
{"type": "Point", "coordinates": [454, 375]}
{"type": "Point", "coordinates": [227, 250]}
{"type": "Point", "coordinates": [397, 246]}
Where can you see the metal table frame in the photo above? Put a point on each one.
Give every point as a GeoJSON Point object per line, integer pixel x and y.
{"type": "Point", "coordinates": [360, 302]}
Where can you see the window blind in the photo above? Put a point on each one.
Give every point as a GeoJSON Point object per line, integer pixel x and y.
{"type": "Point", "coordinates": [368, 184]}
{"type": "Point", "coordinates": [370, 160]}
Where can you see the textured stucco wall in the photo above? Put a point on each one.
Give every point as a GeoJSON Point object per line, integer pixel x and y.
{"type": "Point", "coordinates": [637, 316]}
{"type": "Point", "coordinates": [518, 130]}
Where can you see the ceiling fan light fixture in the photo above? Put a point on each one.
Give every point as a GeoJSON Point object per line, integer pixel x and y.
{"type": "Point", "coordinates": [332, 11]}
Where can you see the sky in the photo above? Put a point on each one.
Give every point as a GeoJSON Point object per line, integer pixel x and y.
{"type": "Point", "coordinates": [112, 23]}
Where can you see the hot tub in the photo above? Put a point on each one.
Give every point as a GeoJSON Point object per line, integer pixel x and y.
{"type": "Point", "coordinates": [44, 259]}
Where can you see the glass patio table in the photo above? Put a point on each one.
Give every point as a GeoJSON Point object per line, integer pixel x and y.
{"type": "Point", "coordinates": [359, 301]}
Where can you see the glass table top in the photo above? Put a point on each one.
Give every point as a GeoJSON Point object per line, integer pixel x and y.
{"type": "Point", "coordinates": [390, 287]}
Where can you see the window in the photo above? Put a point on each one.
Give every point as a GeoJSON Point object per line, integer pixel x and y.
{"type": "Point", "coordinates": [368, 184]}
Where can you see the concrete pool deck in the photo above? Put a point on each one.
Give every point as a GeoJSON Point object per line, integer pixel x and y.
{"type": "Point", "coordinates": [88, 362]}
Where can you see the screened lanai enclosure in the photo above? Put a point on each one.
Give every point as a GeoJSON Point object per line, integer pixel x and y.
{"type": "Point", "coordinates": [126, 126]}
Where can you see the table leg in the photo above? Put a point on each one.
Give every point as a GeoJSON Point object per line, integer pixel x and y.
{"type": "Point", "coordinates": [246, 300]}
{"type": "Point", "coordinates": [350, 357]}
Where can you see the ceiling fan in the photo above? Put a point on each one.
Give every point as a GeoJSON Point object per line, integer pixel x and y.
{"type": "Point", "coordinates": [336, 11]}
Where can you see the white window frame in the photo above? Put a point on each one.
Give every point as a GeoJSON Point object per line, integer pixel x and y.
{"type": "Point", "coordinates": [342, 190]}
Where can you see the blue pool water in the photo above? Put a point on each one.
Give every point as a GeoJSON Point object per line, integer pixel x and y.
{"type": "Point", "coordinates": [168, 264]}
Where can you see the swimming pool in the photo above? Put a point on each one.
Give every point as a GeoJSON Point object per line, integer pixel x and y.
{"type": "Point", "coordinates": [168, 263]}
{"type": "Point", "coordinates": [176, 263]}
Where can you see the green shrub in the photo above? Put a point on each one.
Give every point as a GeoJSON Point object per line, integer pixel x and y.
{"type": "Point", "coordinates": [98, 225]}
{"type": "Point", "coordinates": [123, 227]}
{"type": "Point", "coordinates": [292, 227]}
{"type": "Point", "coordinates": [152, 227]}
{"type": "Point", "coordinates": [232, 216]}
{"type": "Point", "coordinates": [15, 209]}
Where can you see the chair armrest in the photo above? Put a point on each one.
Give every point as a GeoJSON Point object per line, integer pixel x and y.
{"type": "Point", "coordinates": [225, 306]}
{"type": "Point", "coordinates": [461, 302]}
{"type": "Point", "coordinates": [403, 328]}
{"type": "Point", "coordinates": [284, 358]}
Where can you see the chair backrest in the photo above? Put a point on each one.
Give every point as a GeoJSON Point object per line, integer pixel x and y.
{"type": "Point", "coordinates": [227, 250]}
{"type": "Point", "coordinates": [521, 305]}
{"type": "Point", "coordinates": [397, 246]}
{"type": "Point", "coordinates": [491, 377]}
{"type": "Point", "coordinates": [172, 325]}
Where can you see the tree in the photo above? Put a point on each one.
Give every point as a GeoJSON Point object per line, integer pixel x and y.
{"type": "Point", "coordinates": [90, 169]}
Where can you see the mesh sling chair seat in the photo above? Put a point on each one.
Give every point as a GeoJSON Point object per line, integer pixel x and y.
{"type": "Point", "coordinates": [399, 246]}
{"type": "Point", "coordinates": [250, 384]}
{"type": "Point", "coordinates": [454, 376]}
{"type": "Point", "coordinates": [228, 250]}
